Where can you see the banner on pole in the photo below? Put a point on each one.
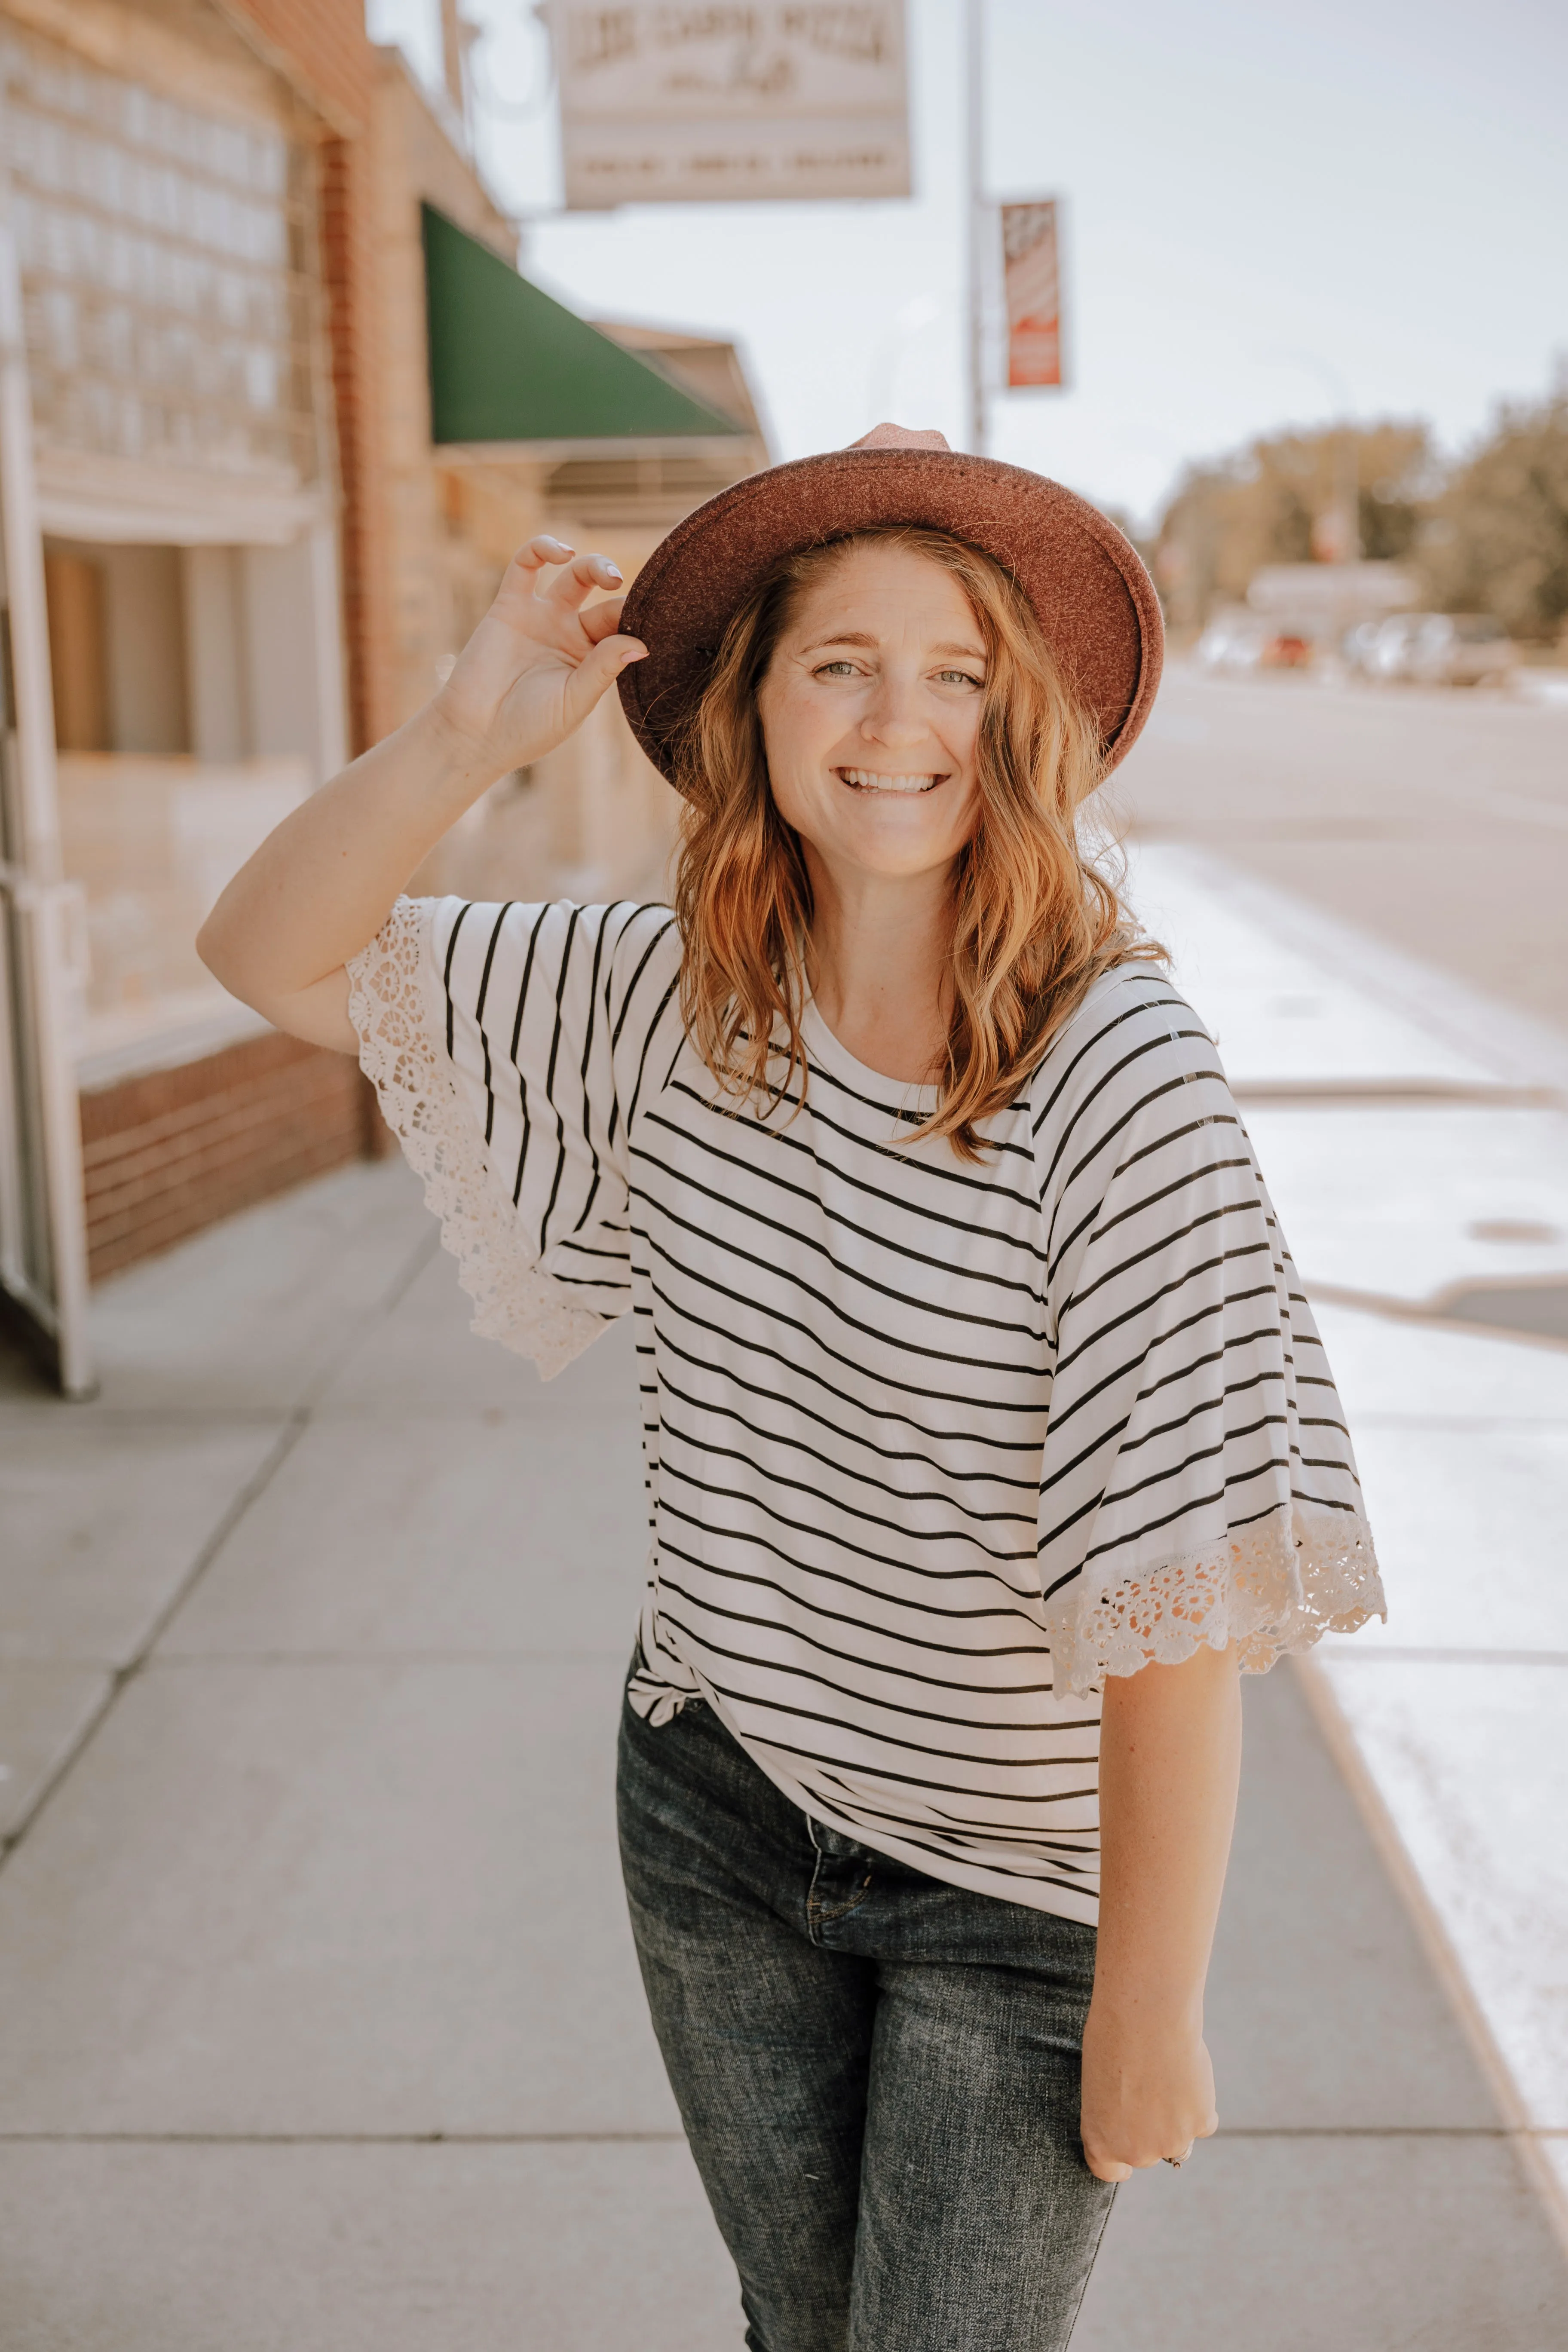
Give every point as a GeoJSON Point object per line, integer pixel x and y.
{"type": "Point", "coordinates": [664, 104]}
{"type": "Point", "coordinates": [1032, 279]}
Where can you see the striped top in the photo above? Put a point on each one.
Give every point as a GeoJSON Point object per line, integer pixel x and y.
{"type": "Point", "coordinates": [930, 1447]}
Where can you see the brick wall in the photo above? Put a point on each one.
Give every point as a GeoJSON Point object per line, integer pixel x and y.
{"type": "Point", "coordinates": [170, 1152]}
{"type": "Point", "coordinates": [173, 1150]}
{"type": "Point", "coordinates": [347, 183]}
{"type": "Point", "coordinates": [321, 47]}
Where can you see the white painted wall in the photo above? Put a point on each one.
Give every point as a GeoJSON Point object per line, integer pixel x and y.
{"type": "Point", "coordinates": [144, 630]}
{"type": "Point", "coordinates": [263, 650]}
{"type": "Point", "coordinates": [216, 654]}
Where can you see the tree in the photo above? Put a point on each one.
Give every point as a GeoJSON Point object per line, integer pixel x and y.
{"type": "Point", "coordinates": [1268, 503]}
{"type": "Point", "coordinates": [1498, 539]}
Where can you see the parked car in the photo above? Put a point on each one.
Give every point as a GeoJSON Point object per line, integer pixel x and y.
{"type": "Point", "coordinates": [1233, 641]}
{"type": "Point", "coordinates": [1285, 650]}
{"type": "Point", "coordinates": [1437, 650]}
{"type": "Point", "coordinates": [1388, 651]}
{"type": "Point", "coordinates": [1356, 644]}
{"type": "Point", "coordinates": [1462, 649]}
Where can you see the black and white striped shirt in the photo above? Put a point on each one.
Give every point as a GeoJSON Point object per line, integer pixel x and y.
{"type": "Point", "coordinates": [930, 1447]}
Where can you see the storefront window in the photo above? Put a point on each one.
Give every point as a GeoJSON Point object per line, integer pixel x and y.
{"type": "Point", "coordinates": [165, 272]}
{"type": "Point", "coordinates": [169, 286]}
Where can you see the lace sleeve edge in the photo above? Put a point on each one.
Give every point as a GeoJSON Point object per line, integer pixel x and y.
{"type": "Point", "coordinates": [514, 1302]}
{"type": "Point", "coordinates": [1272, 1587]}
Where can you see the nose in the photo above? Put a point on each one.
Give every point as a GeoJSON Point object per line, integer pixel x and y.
{"type": "Point", "coordinates": [891, 718]}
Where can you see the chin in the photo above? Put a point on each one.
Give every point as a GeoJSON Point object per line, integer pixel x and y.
{"type": "Point", "coordinates": [927, 819]}
{"type": "Point", "coordinates": [898, 850]}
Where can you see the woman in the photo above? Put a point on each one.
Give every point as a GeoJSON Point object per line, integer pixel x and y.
{"type": "Point", "coordinates": [987, 1433]}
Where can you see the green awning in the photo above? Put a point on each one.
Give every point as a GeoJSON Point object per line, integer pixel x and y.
{"type": "Point", "coordinates": [508, 365]}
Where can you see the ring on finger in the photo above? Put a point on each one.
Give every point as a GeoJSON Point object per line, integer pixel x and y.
{"type": "Point", "coordinates": [1177, 2161]}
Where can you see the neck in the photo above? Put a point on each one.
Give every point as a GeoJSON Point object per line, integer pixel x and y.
{"type": "Point", "coordinates": [877, 964]}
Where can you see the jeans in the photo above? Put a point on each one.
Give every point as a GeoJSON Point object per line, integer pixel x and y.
{"type": "Point", "coordinates": [878, 2072]}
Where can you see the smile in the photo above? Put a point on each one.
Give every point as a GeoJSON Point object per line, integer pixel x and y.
{"type": "Point", "coordinates": [864, 780]}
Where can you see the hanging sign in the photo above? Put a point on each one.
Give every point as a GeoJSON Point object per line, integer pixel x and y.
{"type": "Point", "coordinates": [666, 104]}
{"type": "Point", "coordinates": [1031, 278]}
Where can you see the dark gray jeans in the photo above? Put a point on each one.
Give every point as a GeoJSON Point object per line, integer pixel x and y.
{"type": "Point", "coordinates": [878, 2074]}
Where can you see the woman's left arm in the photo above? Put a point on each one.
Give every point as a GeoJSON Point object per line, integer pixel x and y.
{"type": "Point", "coordinates": [1170, 1762]}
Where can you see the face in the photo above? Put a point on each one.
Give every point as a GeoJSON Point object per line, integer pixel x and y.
{"type": "Point", "coordinates": [870, 712]}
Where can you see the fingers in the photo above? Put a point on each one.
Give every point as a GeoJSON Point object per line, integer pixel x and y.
{"type": "Point", "coordinates": [576, 581]}
{"type": "Point", "coordinates": [615, 654]}
{"type": "Point", "coordinates": [603, 619]}
{"type": "Point", "coordinates": [575, 577]}
{"type": "Point", "coordinates": [540, 553]}
{"type": "Point", "coordinates": [1106, 2167]}
{"type": "Point", "coordinates": [600, 670]}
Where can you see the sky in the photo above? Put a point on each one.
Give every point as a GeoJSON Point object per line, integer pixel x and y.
{"type": "Point", "coordinates": [1276, 217]}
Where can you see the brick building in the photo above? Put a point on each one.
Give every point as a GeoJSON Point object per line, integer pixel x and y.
{"type": "Point", "coordinates": [227, 226]}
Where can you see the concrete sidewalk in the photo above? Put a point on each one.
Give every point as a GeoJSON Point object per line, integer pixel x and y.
{"type": "Point", "coordinates": [324, 2028]}
{"type": "Point", "coordinates": [1415, 1137]}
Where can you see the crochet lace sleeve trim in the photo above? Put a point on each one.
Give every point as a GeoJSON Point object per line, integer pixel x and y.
{"type": "Point", "coordinates": [406, 1062]}
{"type": "Point", "coordinates": [1270, 1589]}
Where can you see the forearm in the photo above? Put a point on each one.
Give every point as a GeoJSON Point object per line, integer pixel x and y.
{"type": "Point", "coordinates": [1170, 1762]}
{"type": "Point", "coordinates": [321, 885]}
{"type": "Point", "coordinates": [1169, 1766]}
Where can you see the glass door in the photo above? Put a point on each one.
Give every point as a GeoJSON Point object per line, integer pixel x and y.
{"type": "Point", "coordinates": [43, 1245]}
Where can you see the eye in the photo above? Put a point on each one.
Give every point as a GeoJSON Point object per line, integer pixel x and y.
{"type": "Point", "coordinates": [834, 669]}
{"type": "Point", "coordinates": [959, 678]}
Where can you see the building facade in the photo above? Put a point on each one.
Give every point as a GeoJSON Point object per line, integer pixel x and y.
{"type": "Point", "coordinates": [253, 551]}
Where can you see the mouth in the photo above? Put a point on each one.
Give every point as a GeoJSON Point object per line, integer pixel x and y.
{"type": "Point", "coordinates": [867, 780]}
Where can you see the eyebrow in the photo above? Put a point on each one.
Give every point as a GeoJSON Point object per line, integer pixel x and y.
{"type": "Point", "coordinates": [863, 637]}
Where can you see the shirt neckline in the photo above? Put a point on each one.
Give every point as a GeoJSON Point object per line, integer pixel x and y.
{"type": "Point", "coordinates": [892, 1093]}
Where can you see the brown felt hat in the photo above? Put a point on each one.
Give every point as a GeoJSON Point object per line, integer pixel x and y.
{"type": "Point", "coordinates": [1095, 601]}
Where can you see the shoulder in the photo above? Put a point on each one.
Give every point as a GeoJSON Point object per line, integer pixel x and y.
{"type": "Point", "coordinates": [642, 941]}
{"type": "Point", "coordinates": [1132, 1025]}
{"type": "Point", "coordinates": [1132, 1044]}
{"type": "Point", "coordinates": [561, 924]}
{"type": "Point", "coordinates": [556, 944]}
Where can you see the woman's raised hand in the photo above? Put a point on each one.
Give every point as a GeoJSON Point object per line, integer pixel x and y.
{"type": "Point", "coordinates": [539, 660]}
{"type": "Point", "coordinates": [321, 885]}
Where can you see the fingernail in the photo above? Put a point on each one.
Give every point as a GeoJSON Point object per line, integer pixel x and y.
{"type": "Point", "coordinates": [613, 570]}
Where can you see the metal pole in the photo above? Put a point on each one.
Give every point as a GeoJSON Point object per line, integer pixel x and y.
{"type": "Point", "coordinates": [1347, 470]}
{"type": "Point", "coordinates": [1350, 491]}
{"type": "Point", "coordinates": [979, 216]}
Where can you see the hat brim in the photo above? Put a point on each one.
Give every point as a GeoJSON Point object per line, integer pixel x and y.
{"type": "Point", "coordinates": [1095, 601]}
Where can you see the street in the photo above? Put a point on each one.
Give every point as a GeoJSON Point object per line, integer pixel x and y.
{"type": "Point", "coordinates": [324, 2031]}
{"type": "Point", "coordinates": [1435, 822]}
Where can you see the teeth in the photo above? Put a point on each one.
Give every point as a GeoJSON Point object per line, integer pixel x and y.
{"type": "Point", "coordinates": [864, 780]}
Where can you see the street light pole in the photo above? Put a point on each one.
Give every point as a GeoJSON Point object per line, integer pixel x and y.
{"type": "Point", "coordinates": [978, 216]}
{"type": "Point", "coordinates": [1347, 469]}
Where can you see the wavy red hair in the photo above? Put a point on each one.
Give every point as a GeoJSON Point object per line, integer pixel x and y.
{"type": "Point", "coordinates": [1035, 921]}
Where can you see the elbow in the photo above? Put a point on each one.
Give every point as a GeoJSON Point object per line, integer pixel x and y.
{"type": "Point", "coordinates": [217, 951]}
{"type": "Point", "coordinates": [209, 951]}
{"type": "Point", "coordinates": [210, 947]}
